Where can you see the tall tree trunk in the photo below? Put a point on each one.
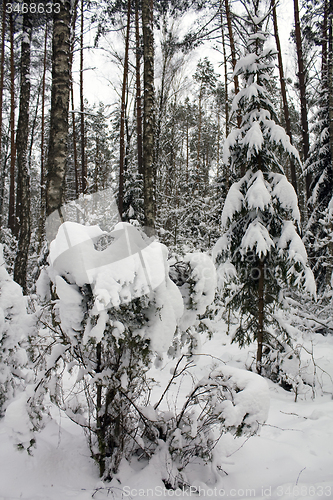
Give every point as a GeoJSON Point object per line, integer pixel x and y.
{"type": "Point", "coordinates": [138, 88]}
{"type": "Point", "coordinates": [233, 53]}
{"type": "Point", "coordinates": [2, 69]}
{"type": "Point", "coordinates": [327, 70]}
{"type": "Point", "coordinates": [122, 115]}
{"type": "Point", "coordinates": [56, 164]}
{"type": "Point", "coordinates": [301, 78]}
{"type": "Point", "coordinates": [148, 117]}
{"type": "Point", "coordinates": [72, 45]}
{"type": "Point", "coordinates": [82, 123]}
{"type": "Point", "coordinates": [325, 41]}
{"type": "Point", "coordinates": [11, 210]}
{"type": "Point", "coordinates": [187, 148]}
{"type": "Point", "coordinates": [23, 176]}
{"type": "Point", "coordinates": [261, 305]}
{"type": "Point", "coordinates": [41, 228]}
{"type": "Point", "coordinates": [330, 74]}
{"type": "Point", "coordinates": [225, 74]}
{"type": "Point", "coordinates": [283, 92]}
{"type": "Point", "coordinates": [199, 133]}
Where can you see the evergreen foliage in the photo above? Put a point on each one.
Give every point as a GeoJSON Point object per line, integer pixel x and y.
{"type": "Point", "coordinates": [260, 252]}
{"type": "Point", "coordinates": [319, 166]}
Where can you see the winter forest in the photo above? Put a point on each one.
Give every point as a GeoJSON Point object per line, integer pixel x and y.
{"type": "Point", "coordinates": [166, 249]}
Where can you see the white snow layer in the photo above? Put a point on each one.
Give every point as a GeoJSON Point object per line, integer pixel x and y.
{"type": "Point", "coordinates": [250, 402]}
{"type": "Point", "coordinates": [258, 195]}
{"type": "Point", "coordinates": [254, 139]}
{"type": "Point", "coordinates": [286, 195]}
{"type": "Point", "coordinates": [233, 203]}
{"type": "Point", "coordinates": [257, 237]}
{"type": "Point", "coordinates": [130, 267]}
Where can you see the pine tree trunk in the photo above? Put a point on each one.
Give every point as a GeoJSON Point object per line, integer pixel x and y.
{"type": "Point", "coordinates": [76, 167]}
{"type": "Point", "coordinates": [187, 148]}
{"type": "Point", "coordinates": [233, 56]}
{"type": "Point", "coordinates": [225, 74]}
{"type": "Point", "coordinates": [283, 92]}
{"type": "Point", "coordinates": [11, 210]}
{"type": "Point", "coordinates": [261, 303]}
{"type": "Point", "coordinates": [57, 157]}
{"type": "Point", "coordinates": [122, 115]}
{"type": "Point", "coordinates": [138, 89]}
{"type": "Point", "coordinates": [199, 133]}
{"type": "Point", "coordinates": [2, 70]}
{"type": "Point", "coordinates": [329, 78]}
{"type": "Point", "coordinates": [148, 117]}
{"type": "Point", "coordinates": [301, 78]}
{"type": "Point", "coordinates": [325, 41]}
{"type": "Point", "coordinates": [330, 74]}
{"type": "Point", "coordinates": [82, 122]}
{"type": "Point", "coordinates": [23, 176]}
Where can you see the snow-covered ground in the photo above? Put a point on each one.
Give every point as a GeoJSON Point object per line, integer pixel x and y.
{"type": "Point", "coordinates": [291, 457]}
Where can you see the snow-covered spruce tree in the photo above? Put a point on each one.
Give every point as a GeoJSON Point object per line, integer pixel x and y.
{"type": "Point", "coordinates": [319, 166]}
{"type": "Point", "coordinates": [15, 327]}
{"type": "Point", "coordinates": [115, 309]}
{"type": "Point", "coordinates": [260, 251]}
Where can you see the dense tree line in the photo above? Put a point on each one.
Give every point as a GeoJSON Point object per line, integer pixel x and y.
{"type": "Point", "coordinates": [170, 127]}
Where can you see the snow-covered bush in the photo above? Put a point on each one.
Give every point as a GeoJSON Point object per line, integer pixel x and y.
{"type": "Point", "coordinates": [195, 276]}
{"type": "Point", "coordinates": [15, 325]}
{"type": "Point", "coordinates": [115, 309]}
{"type": "Point", "coordinates": [226, 400]}
{"type": "Point", "coordinates": [260, 252]}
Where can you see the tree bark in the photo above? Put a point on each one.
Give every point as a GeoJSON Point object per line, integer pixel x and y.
{"type": "Point", "coordinates": [72, 45]}
{"type": "Point", "coordinates": [325, 41]}
{"type": "Point", "coordinates": [330, 75]}
{"type": "Point", "coordinates": [23, 176]}
{"type": "Point", "coordinates": [82, 122]}
{"type": "Point", "coordinates": [56, 165]}
{"type": "Point", "coordinates": [283, 92]}
{"type": "Point", "coordinates": [138, 89]}
{"type": "Point", "coordinates": [122, 115]}
{"type": "Point", "coordinates": [41, 227]}
{"type": "Point", "coordinates": [11, 209]}
{"type": "Point", "coordinates": [148, 117]}
{"type": "Point", "coordinates": [301, 78]}
{"type": "Point", "coordinates": [2, 69]}
{"type": "Point", "coordinates": [225, 74]}
{"type": "Point", "coordinates": [233, 54]}
{"type": "Point", "coordinates": [199, 132]}
{"type": "Point", "coordinates": [261, 304]}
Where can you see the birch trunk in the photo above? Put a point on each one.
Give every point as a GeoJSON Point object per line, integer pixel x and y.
{"type": "Point", "coordinates": [57, 157]}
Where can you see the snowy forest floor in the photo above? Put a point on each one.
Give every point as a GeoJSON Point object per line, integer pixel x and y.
{"type": "Point", "coordinates": [291, 457]}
